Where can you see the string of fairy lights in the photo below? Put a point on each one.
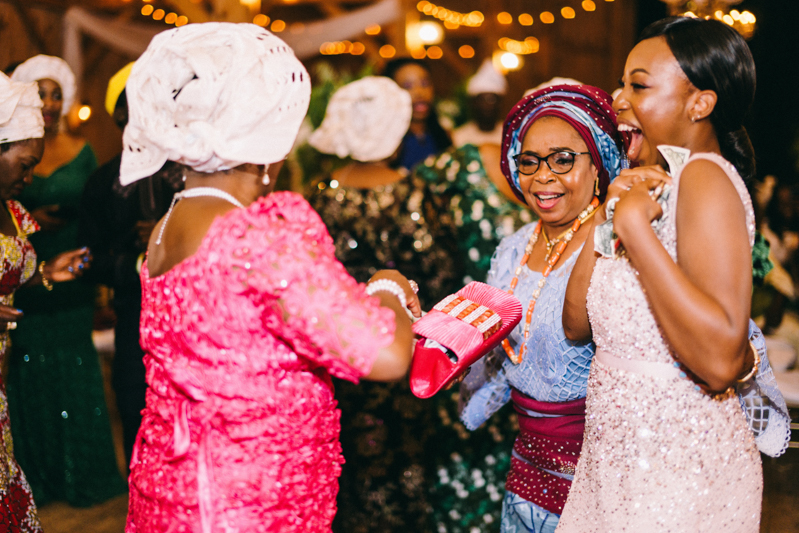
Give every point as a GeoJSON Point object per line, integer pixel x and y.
{"type": "Point", "coordinates": [451, 19]}
{"type": "Point", "coordinates": [454, 19]}
{"type": "Point", "coordinates": [422, 38]}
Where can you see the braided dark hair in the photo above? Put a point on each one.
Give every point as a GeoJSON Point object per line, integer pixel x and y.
{"type": "Point", "coordinates": [715, 57]}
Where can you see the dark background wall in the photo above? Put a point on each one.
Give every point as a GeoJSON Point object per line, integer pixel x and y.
{"type": "Point", "coordinates": [773, 122]}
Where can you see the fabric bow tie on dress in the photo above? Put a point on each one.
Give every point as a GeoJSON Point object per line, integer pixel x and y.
{"type": "Point", "coordinates": [458, 331]}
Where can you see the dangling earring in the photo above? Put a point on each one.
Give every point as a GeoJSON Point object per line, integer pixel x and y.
{"type": "Point", "coordinates": [265, 179]}
{"type": "Point", "coordinates": [596, 188]}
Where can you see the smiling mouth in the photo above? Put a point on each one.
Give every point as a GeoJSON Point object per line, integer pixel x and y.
{"type": "Point", "coordinates": [547, 200]}
{"type": "Point", "coordinates": [636, 140]}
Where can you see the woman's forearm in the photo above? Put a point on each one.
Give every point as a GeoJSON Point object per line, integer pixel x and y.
{"type": "Point", "coordinates": [393, 361]}
{"type": "Point", "coordinates": [708, 340]}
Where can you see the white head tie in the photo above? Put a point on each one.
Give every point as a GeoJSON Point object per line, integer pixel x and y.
{"type": "Point", "coordinates": [487, 80]}
{"type": "Point", "coordinates": [212, 96]}
{"type": "Point", "coordinates": [43, 67]}
{"type": "Point", "coordinates": [365, 120]}
{"type": "Point", "coordinates": [20, 111]}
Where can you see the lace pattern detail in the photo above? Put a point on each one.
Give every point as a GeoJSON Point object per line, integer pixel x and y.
{"type": "Point", "coordinates": [240, 431]}
{"type": "Point", "coordinates": [555, 368]}
{"type": "Point", "coordinates": [763, 403]}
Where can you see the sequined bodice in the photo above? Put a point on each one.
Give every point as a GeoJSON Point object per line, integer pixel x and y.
{"type": "Point", "coordinates": [240, 432]}
{"type": "Point", "coordinates": [621, 320]}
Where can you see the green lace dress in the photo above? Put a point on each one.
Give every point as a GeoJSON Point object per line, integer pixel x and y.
{"type": "Point", "coordinates": [470, 466]}
{"type": "Point", "coordinates": [59, 420]}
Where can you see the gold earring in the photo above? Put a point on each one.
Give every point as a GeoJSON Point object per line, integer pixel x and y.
{"type": "Point", "coordinates": [596, 187]}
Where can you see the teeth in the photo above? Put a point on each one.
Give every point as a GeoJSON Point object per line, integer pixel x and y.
{"type": "Point", "coordinates": [626, 127]}
{"type": "Point", "coordinates": [547, 196]}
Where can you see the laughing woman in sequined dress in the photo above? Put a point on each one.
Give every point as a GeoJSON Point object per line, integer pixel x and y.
{"type": "Point", "coordinates": [21, 148]}
{"type": "Point", "coordinates": [667, 446]}
{"type": "Point", "coordinates": [560, 151]}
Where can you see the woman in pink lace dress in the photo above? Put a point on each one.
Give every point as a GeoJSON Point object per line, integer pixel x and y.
{"type": "Point", "coordinates": [246, 313]}
{"type": "Point", "coordinates": [667, 446]}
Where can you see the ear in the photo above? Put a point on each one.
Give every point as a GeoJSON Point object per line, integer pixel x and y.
{"type": "Point", "coordinates": [701, 105]}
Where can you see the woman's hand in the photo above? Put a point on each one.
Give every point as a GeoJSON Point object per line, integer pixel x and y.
{"type": "Point", "coordinates": [67, 266]}
{"type": "Point", "coordinates": [652, 176]}
{"type": "Point", "coordinates": [47, 218]}
{"type": "Point", "coordinates": [410, 295]}
{"type": "Point", "coordinates": [9, 317]}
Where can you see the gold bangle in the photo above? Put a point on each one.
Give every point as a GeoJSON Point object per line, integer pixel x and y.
{"type": "Point", "coordinates": [754, 367]}
{"type": "Point", "coordinates": [46, 283]}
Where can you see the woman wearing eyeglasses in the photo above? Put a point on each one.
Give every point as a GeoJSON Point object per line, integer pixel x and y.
{"type": "Point", "coordinates": [560, 151]}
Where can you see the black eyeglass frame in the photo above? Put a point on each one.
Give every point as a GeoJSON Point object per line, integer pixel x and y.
{"type": "Point", "coordinates": [546, 160]}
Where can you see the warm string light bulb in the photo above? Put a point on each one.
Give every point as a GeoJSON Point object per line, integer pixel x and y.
{"type": "Point", "coordinates": [743, 22]}
{"type": "Point", "coordinates": [342, 47]}
{"type": "Point", "coordinates": [148, 10]}
{"type": "Point", "coordinates": [84, 113]}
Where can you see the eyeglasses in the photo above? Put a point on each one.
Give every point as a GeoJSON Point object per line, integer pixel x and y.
{"type": "Point", "coordinates": [558, 162]}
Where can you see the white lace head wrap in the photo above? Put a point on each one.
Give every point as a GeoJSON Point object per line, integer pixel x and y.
{"type": "Point", "coordinates": [212, 96]}
{"type": "Point", "coordinates": [43, 67]}
{"type": "Point", "coordinates": [365, 120]}
{"type": "Point", "coordinates": [20, 111]}
{"type": "Point", "coordinates": [487, 80]}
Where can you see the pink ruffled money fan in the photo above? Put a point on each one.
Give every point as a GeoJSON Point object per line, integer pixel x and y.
{"type": "Point", "coordinates": [459, 330]}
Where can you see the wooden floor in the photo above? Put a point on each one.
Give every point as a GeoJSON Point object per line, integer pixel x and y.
{"type": "Point", "coordinates": [780, 505]}
{"type": "Point", "coordinates": [108, 517]}
{"type": "Point", "coordinates": [780, 494]}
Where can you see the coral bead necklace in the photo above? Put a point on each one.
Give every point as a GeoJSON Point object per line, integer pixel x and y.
{"type": "Point", "coordinates": [553, 255]}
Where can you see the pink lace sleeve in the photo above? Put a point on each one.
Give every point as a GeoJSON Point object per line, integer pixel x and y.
{"type": "Point", "coordinates": [283, 259]}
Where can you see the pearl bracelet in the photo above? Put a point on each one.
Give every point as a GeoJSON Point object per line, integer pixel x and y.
{"type": "Point", "coordinates": [387, 285]}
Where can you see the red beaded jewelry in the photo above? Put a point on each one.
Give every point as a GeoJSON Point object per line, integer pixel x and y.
{"type": "Point", "coordinates": [553, 255]}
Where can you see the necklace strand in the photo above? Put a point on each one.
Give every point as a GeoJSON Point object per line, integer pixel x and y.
{"type": "Point", "coordinates": [194, 193]}
{"type": "Point", "coordinates": [552, 258]}
{"type": "Point", "coordinates": [553, 242]}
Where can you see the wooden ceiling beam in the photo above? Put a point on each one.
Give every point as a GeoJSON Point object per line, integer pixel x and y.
{"type": "Point", "coordinates": [30, 28]}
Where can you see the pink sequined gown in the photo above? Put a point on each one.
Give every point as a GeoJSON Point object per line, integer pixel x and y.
{"type": "Point", "coordinates": [658, 455]}
{"type": "Point", "coordinates": [240, 432]}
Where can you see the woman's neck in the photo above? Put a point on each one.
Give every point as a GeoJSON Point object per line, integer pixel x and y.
{"type": "Point", "coordinates": [418, 128]}
{"type": "Point", "coordinates": [552, 231]}
{"type": "Point", "coordinates": [700, 138]}
{"type": "Point", "coordinates": [51, 133]}
{"type": "Point", "coordinates": [246, 187]}
{"type": "Point", "coordinates": [360, 175]}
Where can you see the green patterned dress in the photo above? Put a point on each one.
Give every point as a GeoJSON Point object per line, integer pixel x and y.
{"type": "Point", "coordinates": [470, 466]}
{"type": "Point", "coordinates": [59, 418]}
{"type": "Point", "coordinates": [387, 433]}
